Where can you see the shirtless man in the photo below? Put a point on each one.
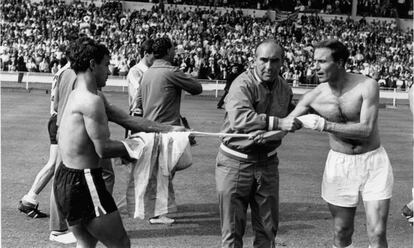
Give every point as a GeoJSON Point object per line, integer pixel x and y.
{"type": "Point", "coordinates": [347, 109]}
{"type": "Point", "coordinates": [79, 189]}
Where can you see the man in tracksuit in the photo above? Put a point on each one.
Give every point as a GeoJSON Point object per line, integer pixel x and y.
{"type": "Point", "coordinates": [247, 168]}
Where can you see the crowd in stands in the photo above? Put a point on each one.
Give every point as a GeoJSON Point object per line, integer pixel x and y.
{"type": "Point", "coordinates": [376, 8]}
{"type": "Point", "coordinates": [208, 42]}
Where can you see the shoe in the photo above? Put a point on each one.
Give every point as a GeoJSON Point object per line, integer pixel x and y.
{"type": "Point", "coordinates": [31, 210]}
{"type": "Point", "coordinates": [65, 237]}
{"type": "Point", "coordinates": [219, 107]}
{"type": "Point", "coordinates": [407, 213]}
{"type": "Point", "coordinates": [161, 220]}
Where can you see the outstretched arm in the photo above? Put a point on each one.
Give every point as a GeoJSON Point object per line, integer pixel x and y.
{"type": "Point", "coordinates": [185, 82]}
{"type": "Point", "coordinates": [134, 123]}
{"type": "Point", "coordinates": [304, 104]}
{"type": "Point", "coordinates": [96, 125]}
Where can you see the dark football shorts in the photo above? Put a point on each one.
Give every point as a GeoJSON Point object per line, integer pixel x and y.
{"type": "Point", "coordinates": [52, 128]}
{"type": "Point", "coordinates": [81, 195]}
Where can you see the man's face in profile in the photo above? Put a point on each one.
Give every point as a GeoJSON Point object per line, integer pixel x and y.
{"type": "Point", "coordinates": [102, 71]}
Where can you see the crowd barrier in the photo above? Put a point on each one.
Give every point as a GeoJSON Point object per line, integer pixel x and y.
{"type": "Point", "coordinates": [210, 87]}
{"type": "Point", "coordinates": [30, 79]}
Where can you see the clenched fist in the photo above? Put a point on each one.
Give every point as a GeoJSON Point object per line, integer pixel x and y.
{"type": "Point", "coordinates": [289, 124]}
{"type": "Point", "coordinates": [312, 121]}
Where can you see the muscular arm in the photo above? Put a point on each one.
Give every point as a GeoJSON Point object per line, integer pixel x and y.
{"type": "Point", "coordinates": [304, 104]}
{"type": "Point", "coordinates": [368, 115]}
{"type": "Point", "coordinates": [96, 125]}
{"type": "Point", "coordinates": [134, 123]}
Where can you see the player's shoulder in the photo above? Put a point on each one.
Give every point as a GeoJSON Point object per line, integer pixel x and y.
{"type": "Point", "coordinates": [365, 85]}
{"type": "Point", "coordinates": [86, 99]}
{"type": "Point", "coordinates": [320, 88]}
{"type": "Point", "coordinates": [362, 79]}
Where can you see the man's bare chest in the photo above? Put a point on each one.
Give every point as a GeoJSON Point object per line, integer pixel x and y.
{"type": "Point", "coordinates": [343, 108]}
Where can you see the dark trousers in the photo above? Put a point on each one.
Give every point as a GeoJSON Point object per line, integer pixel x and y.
{"type": "Point", "coordinates": [20, 77]}
{"type": "Point", "coordinates": [221, 101]}
{"type": "Point", "coordinates": [240, 184]}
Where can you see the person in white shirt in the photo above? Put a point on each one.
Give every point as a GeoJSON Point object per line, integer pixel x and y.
{"type": "Point", "coordinates": [135, 75]}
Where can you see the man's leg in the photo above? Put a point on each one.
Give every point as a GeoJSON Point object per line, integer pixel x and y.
{"type": "Point", "coordinates": [221, 101]}
{"type": "Point", "coordinates": [109, 230]}
{"type": "Point", "coordinates": [265, 204]}
{"type": "Point", "coordinates": [29, 201]}
{"type": "Point", "coordinates": [343, 218]}
{"type": "Point", "coordinates": [377, 214]}
{"type": "Point", "coordinates": [47, 172]}
{"type": "Point", "coordinates": [233, 190]}
{"type": "Point", "coordinates": [83, 237]}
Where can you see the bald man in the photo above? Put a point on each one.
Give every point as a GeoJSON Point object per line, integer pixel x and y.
{"type": "Point", "coordinates": [247, 168]}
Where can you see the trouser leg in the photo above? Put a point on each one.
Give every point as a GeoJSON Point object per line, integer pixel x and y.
{"type": "Point", "coordinates": [233, 189]}
{"type": "Point", "coordinates": [265, 204]}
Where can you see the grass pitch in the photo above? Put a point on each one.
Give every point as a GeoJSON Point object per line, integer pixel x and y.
{"type": "Point", "coordinates": [305, 221]}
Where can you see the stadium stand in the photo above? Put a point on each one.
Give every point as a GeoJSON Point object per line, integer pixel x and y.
{"type": "Point", "coordinates": [35, 34]}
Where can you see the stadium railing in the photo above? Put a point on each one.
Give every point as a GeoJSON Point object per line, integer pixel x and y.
{"type": "Point", "coordinates": [37, 80]}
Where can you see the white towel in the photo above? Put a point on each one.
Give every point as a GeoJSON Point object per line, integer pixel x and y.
{"type": "Point", "coordinates": [150, 192]}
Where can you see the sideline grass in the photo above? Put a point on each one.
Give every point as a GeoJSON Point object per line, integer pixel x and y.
{"type": "Point", "coordinates": [305, 221]}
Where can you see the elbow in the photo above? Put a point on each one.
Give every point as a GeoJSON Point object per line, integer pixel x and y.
{"type": "Point", "coordinates": [102, 152]}
{"type": "Point", "coordinates": [367, 132]}
{"type": "Point", "coordinates": [197, 91]}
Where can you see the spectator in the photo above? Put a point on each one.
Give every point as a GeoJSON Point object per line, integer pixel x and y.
{"type": "Point", "coordinates": [227, 37]}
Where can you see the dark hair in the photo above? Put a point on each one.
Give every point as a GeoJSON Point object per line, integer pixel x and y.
{"type": "Point", "coordinates": [268, 41]}
{"type": "Point", "coordinates": [72, 37]}
{"type": "Point", "coordinates": [161, 46]}
{"type": "Point", "coordinates": [83, 51]}
{"type": "Point", "coordinates": [146, 47]}
{"type": "Point", "coordinates": [339, 50]}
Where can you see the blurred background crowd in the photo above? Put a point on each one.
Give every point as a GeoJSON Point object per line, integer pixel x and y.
{"type": "Point", "coordinates": [210, 42]}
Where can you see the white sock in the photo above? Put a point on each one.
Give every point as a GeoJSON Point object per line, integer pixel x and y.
{"type": "Point", "coordinates": [30, 198]}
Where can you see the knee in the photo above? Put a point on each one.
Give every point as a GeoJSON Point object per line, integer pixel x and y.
{"type": "Point", "coordinates": [376, 233]}
{"type": "Point", "coordinates": [343, 233]}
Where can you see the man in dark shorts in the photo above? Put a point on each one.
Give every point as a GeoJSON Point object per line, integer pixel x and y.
{"type": "Point", "coordinates": [80, 192]}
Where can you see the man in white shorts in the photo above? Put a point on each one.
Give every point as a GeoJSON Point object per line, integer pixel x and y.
{"type": "Point", "coordinates": [346, 107]}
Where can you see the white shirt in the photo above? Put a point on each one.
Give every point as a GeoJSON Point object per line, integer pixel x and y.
{"type": "Point", "coordinates": [134, 82]}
